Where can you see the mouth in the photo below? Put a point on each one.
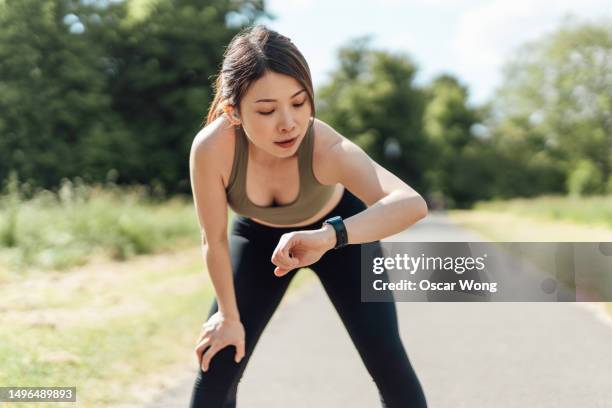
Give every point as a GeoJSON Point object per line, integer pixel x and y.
{"type": "Point", "coordinates": [286, 143]}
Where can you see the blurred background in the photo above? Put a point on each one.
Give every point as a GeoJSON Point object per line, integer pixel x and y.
{"type": "Point", "coordinates": [499, 113]}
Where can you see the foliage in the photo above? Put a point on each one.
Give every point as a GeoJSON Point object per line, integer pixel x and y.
{"type": "Point", "coordinates": [65, 229]}
{"type": "Point", "coordinates": [585, 179]}
{"type": "Point", "coordinates": [372, 99]}
{"type": "Point", "coordinates": [557, 97]}
{"type": "Point", "coordinates": [93, 89]}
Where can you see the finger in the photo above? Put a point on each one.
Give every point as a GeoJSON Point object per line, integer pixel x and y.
{"type": "Point", "coordinates": [283, 265]}
{"type": "Point", "coordinates": [286, 259]}
{"type": "Point", "coordinates": [282, 262]}
{"type": "Point", "coordinates": [281, 252]}
{"type": "Point", "coordinates": [203, 334]}
{"type": "Point", "coordinates": [208, 355]}
{"type": "Point", "coordinates": [287, 253]}
{"type": "Point", "coordinates": [280, 271]}
{"type": "Point", "coordinates": [279, 246]}
{"type": "Point", "coordinates": [294, 259]}
{"type": "Point", "coordinates": [239, 351]}
{"type": "Point", "coordinates": [199, 350]}
{"type": "Point", "coordinates": [205, 342]}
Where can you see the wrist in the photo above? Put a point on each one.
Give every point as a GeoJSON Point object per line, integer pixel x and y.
{"type": "Point", "coordinates": [329, 236]}
{"type": "Point", "coordinates": [337, 225]}
{"type": "Point", "coordinates": [229, 317]}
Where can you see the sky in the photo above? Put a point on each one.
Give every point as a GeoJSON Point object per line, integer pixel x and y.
{"type": "Point", "coordinates": [467, 38]}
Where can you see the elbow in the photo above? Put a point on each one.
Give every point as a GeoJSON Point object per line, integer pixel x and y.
{"type": "Point", "coordinates": [217, 244]}
{"type": "Point", "coordinates": [417, 208]}
{"type": "Point", "coordinates": [423, 209]}
{"type": "Point", "coordinates": [213, 242]}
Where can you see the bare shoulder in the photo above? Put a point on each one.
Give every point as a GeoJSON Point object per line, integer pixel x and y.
{"type": "Point", "coordinates": [327, 141]}
{"type": "Point", "coordinates": [326, 136]}
{"type": "Point", "coordinates": [214, 144]}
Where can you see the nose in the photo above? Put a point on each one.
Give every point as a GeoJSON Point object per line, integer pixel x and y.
{"type": "Point", "coordinates": [287, 124]}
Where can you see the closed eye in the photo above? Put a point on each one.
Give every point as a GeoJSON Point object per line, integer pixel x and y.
{"type": "Point", "coordinates": [297, 105]}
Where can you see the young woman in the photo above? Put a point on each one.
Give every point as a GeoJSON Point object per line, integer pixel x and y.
{"type": "Point", "coordinates": [303, 195]}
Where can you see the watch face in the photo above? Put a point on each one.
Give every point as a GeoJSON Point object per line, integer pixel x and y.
{"type": "Point", "coordinates": [335, 219]}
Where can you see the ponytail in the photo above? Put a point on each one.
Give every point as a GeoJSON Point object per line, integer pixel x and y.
{"type": "Point", "coordinates": [214, 112]}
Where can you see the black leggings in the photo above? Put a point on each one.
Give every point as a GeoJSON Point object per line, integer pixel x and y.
{"type": "Point", "coordinates": [371, 326]}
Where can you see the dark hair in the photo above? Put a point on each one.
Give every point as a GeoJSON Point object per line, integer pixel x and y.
{"type": "Point", "coordinates": [251, 53]}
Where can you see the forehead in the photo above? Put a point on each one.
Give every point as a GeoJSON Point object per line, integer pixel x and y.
{"type": "Point", "coordinates": [273, 86]}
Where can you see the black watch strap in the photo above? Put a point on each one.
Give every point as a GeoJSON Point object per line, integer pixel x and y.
{"type": "Point", "coordinates": [341, 234]}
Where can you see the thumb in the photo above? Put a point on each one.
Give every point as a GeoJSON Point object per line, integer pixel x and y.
{"type": "Point", "coordinates": [279, 271]}
{"type": "Point", "coordinates": [239, 352]}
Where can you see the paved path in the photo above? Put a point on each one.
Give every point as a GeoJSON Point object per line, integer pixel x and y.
{"type": "Point", "coordinates": [465, 354]}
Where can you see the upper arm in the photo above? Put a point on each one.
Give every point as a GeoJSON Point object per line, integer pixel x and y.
{"type": "Point", "coordinates": [349, 165]}
{"type": "Point", "coordinates": [208, 190]}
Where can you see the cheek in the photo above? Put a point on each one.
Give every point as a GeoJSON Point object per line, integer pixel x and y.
{"type": "Point", "coordinates": [265, 126]}
{"type": "Point", "coordinates": [263, 130]}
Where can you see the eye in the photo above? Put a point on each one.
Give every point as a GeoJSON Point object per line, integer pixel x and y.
{"type": "Point", "coordinates": [297, 105]}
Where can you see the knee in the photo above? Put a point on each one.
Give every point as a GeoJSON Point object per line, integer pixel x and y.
{"type": "Point", "coordinates": [217, 386]}
{"type": "Point", "coordinates": [222, 371]}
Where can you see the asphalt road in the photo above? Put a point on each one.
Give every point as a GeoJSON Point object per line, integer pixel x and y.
{"type": "Point", "coordinates": [500, 355]}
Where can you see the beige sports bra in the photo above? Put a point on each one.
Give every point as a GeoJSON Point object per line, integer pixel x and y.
{"type": "Point", "coordinates": [311, 197]}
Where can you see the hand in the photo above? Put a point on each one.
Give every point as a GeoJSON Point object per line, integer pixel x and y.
{"type": "Point", "coordinates": [217, 333]}
{"type": "Point", "coordinates": [302, 248]}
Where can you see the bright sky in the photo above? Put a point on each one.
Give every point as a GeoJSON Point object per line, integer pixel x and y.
{"type": "Point", "coordinates": [468, 38]}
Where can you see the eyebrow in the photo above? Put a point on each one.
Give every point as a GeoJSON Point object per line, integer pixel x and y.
{"type": "Point", "coordinates": [274, 100]}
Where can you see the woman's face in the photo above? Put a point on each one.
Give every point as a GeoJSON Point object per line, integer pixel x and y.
{"type": "Point", "coordinates": [276, 108]}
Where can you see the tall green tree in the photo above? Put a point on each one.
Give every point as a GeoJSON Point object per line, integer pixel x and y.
{"type": "Point", "coordinates": [457, 170]}
{"type": "Point", "coordinates": [160, 83]}
{"type": "Point", "coordinates": [558, 88]}
{"type": "Point", "coordinates": [92, 88]}
{"type": "Point", "coordinates": [372, 99]}
{"type": "Point", "coordinates": [52, 89]}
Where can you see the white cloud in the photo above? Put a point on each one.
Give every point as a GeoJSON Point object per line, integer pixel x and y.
{"type": "Point", "coordinates": [289, 6]}
{"type": "Point", "coordinates": [427, 3]}
{"type": "Point", "coordinates": [487, 33]}
{"type": "Point", "coordinates": [396, 42]}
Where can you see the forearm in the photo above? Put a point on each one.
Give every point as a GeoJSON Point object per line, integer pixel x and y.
{"type": "Point", "coordinates": [220, 272]}
{"type": "Point", "coordinates": [388, 216]}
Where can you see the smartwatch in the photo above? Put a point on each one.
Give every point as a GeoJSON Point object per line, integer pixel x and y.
{"type": "Point", "coordinates": [341, 234]}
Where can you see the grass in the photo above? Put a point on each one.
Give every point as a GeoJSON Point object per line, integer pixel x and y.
{"type": "Point", "coordinates": [594, 211]}
{"type": "Point", "coordinates": [72, 315]}
{"type": "Point", "coordinates": [110, 329]}
{"type": "Point", "coordinates": [498, 225]}
{"type": "Point", "coordinates": [54, 231]}
{"type": "Point", "coordinates": [96, 292]}
{"type": "Point", "coordinates": [100, 333]}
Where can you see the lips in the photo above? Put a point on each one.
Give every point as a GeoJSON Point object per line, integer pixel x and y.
{"type": "Point", "coordinates": [286, 144]}
{"type": "Point", "coordinates": [285, 141]}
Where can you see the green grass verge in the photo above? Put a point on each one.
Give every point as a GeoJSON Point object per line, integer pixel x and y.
{"type": "Point", "coordinates": [52, 231]}
{"type": "Point", "coordinates": [104, 341]}
{"type": "Point", "coordinates": [110, 336]}
{"type": "Point", "coordinates": [595, 211]}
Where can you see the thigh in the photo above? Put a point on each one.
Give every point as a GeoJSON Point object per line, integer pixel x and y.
{"type": "Point", "coordinates": [373, 328]}
{"type": "Point", "coordinates": [340, 274]}
{"type": "Point", "coordinates": [258, 293]}
{"type": "Point", "coordinates": [255, 285]}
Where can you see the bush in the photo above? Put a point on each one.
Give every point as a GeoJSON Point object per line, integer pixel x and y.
{"type": "Point", "coordinates": [585, 179]}
{"type": "Point", "coordinates": [59, 230]}
{"type": "Point", "coordinates": [609, 185]}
